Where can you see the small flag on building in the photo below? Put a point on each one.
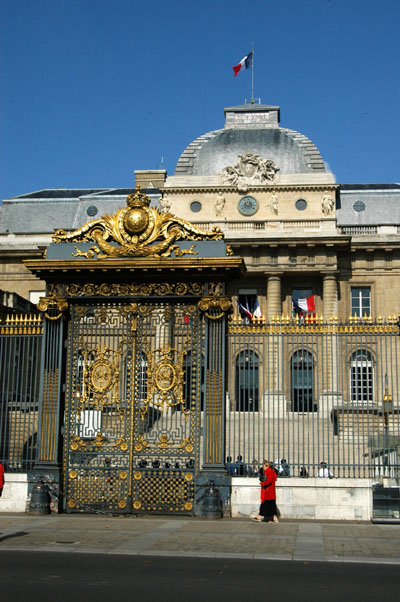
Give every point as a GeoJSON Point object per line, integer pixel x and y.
{"type": "Point", "coordinates": [249, 308]}
{"type": "Point", "coordinates": [304, 306]}
{"type": "Point", "coordinates": [245, 63]}
{"type": "Point", "coordinates": [256, 310]}
{"type": "Point", "coordinates": [244, 309]}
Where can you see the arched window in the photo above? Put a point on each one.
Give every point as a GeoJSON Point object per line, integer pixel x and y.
{"type": "Point", "coordinates": [246, 381]}
{"type": "Point", "coordinates": [361, 376]}
{"type": "Point", "coordinates": [302, 373]}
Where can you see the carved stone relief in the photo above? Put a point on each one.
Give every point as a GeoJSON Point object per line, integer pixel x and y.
{"type": "Point", "coordinates": [250, 170]}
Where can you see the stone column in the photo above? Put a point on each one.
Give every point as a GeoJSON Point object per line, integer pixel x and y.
{"type": "Point", "coordinates": [330, 296]}
{"type": "Point", "coordinates": [273, 401]}
{"type": "Point", "coordinates": [274, 296]}
{"type": "Point", "coordinates": [330, 396]}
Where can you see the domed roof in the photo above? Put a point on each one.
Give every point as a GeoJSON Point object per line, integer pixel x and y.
{"type": "Point", "coordinates": [250, 128]}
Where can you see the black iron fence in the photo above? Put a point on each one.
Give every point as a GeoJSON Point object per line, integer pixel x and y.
{"type": "Point", "coordinates": [308, 393]}
{"type": "Point", "coordinates": [20, 348]}
{"type": "Point", "coordinates": [312, 392]}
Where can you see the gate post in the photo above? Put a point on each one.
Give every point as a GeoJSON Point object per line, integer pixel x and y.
{"type": "Point", "coordinates": [47, 465]}
{"type": "Point", "coordinates": [215, 308]}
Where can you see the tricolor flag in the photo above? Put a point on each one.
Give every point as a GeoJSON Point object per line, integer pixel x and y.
{"type": "Point", "coordinates": [257, 310]}
{"type": "Point", "coordinates": [245, 309]}
{"type": "Point", "coordinates": [245, 63]}
{"type": "Point", "coordinates": [304, 306]}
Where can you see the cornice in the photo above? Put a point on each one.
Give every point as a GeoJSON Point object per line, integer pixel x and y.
{"type": "Point", "coordinates": [254, 189]}
{"type": "Point", "coordinates": [343, 241]}
{"type": "Point", "coordinates": [139, 264]}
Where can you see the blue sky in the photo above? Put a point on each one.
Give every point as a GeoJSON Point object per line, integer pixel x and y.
{"type": "Point", "coordinates": [92, 89]}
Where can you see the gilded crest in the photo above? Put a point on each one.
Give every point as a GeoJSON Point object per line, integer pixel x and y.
{"type": "Point", "coordinates": [137, 230]}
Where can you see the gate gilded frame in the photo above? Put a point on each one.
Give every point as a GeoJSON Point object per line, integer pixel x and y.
{"type": "Point", "coordinates": [140, 340]}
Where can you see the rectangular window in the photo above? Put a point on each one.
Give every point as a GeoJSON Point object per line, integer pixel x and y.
{"type": "Point", "coordinates": [360, 302]}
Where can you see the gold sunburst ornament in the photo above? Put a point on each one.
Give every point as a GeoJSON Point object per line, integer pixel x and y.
{"type": "Point", "coordinates": [139, 231]}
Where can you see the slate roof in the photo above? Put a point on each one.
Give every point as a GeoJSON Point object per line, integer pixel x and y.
{"type": "Point", "coordinates": [46, 210]}
{"type": "Point", "coordinates": [250, 128]}
{"type": "Point", "coordinates": [382, 204]}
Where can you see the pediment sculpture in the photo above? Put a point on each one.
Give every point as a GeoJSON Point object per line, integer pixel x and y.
{"type": "Point", "coordinates": [137, 230]}
{"type": "Point", "coordinates": [249, 170]}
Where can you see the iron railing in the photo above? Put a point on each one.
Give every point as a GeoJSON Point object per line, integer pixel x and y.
{"type": "Point", "coordinates": [306, 391]}
{"type": "Point", "coordinates": [314, 391]}
{"type": "Point", "coordinates": [20, 347]}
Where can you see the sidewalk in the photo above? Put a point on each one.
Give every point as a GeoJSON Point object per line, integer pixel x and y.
{"type": "Point", "coordinates": [227, 538]}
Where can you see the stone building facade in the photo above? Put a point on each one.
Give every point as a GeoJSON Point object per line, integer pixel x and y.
{"type": "Point", "coordinates": [307, 387]}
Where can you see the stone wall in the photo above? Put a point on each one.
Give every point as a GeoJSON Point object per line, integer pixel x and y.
{"type": "Point", "coordinates": [15, 492]}
{"type": "Point", "coordinates": [319, 499]}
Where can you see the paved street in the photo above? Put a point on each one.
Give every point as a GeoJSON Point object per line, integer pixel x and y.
{"type": "Point", "coordinates": [226, 538]}
{"type": "Point", "coordinates": [37, 576]}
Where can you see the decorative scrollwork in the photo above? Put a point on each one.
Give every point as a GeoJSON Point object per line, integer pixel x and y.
{"type": "Point", "coordinates": [131, 289]}
{"type": "Point", "coordinates": [136, 230]}
{"type": "Point", "coordinates": [122, 443]}
{"type": "Point", "coordinates": [52, 307]}
{"type": "Point", "coordinates": [98, 383]}
{"type": "Point", "coordinates": [165, 381]}
{"type": "Point", "coordinates": [215, 308]}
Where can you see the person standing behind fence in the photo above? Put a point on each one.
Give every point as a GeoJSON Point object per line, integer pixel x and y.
{"type": "Point", "coordinates": [268, 509]}
{"type": "Point", "coordinates": [324, 472]}
{"type": "Point", "coordinates": [1, 478]}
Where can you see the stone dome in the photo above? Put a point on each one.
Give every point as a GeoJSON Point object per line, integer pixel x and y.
{"type": "Point", "coordinates": [250, 128]}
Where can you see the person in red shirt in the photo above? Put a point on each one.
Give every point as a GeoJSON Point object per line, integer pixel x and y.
{"type": "Point", "coordinates": [268, 510]}
{"type": "Point", "coordinates": [1, 478]}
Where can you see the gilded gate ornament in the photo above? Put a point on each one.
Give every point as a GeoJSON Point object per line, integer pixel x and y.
{"type": "Point", "coordinates": [215, 308]}
{"type": "Point", "coordinates": [52, 307]}
{"type": "Point", "coordinates": [165, 380]}
{"type": "Point", "coordinates": [135, 229]}
{"type": "Point", "coordinates": [98, 385]}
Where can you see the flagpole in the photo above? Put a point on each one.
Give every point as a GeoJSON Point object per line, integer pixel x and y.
{"type": "Point", "coordinates": [252, 74]}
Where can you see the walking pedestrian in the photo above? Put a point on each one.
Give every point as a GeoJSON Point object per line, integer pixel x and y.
{"type": "Point", "coordinates": [1, 478]}
{"type": "Point", "coordinates": [268, 510]}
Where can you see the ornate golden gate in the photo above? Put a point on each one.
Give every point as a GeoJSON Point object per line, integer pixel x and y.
{"type": "Point", "coordinates": [140, 360]}
{"type": "Point", "coordinates": [133, 406]}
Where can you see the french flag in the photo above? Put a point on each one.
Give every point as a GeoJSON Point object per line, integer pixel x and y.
{"type": "Point", "coordinates": [245, 63]}
{"type": "Point", "coordinates": [245, 311]}
{"type": "Point", "coordinates": [257, 310]}
{"type": "Point", "coordinates": [304, 306]}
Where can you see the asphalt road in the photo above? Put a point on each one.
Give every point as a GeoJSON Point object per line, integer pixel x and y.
{"type": "Point", "coordinates": [74, 577]}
